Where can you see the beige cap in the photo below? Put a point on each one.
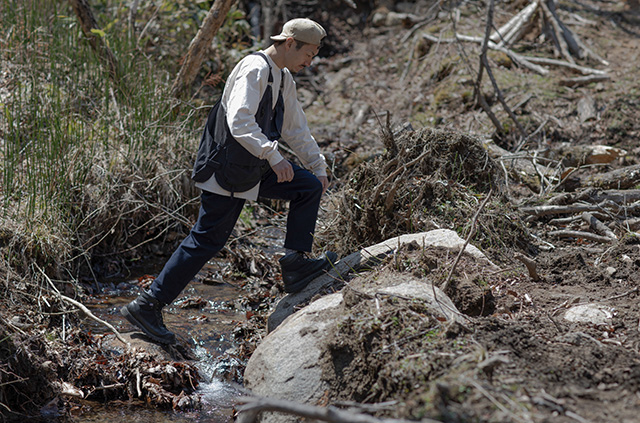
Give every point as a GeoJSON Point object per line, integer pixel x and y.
{"type": "Point", "coordinates": [302, 29]}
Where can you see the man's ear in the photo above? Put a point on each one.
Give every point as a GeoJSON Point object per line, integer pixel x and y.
{"type": "Point", "coordinates": [288, 43]}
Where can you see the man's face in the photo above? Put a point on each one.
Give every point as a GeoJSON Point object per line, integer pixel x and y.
{"type": "Point", "coordinates": [297, 59]}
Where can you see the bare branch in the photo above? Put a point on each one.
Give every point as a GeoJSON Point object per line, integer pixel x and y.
{"type": "Point", "coordinates": [200, 45]}
{"type": "Point", "coordinates": [248, 412]}
{"type": "Point", "coordinates": [579, 234]}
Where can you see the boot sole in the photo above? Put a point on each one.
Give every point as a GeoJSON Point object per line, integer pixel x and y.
{"type": "Point", "coordinates": [135, 322]}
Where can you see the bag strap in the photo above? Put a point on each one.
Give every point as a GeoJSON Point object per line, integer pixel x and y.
{"type": "Point", "coordinates": [270, 81]}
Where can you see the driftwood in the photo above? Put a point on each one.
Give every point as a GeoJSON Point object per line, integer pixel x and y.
{"type": "Point", "coordinates": [200, 46]}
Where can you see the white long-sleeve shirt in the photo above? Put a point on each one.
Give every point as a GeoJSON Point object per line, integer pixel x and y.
{"type": "Point", "coordinates": [242, 94]}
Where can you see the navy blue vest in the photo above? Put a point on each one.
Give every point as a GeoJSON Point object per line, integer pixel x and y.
{"type": "Point", "coordinates": [235, 168]}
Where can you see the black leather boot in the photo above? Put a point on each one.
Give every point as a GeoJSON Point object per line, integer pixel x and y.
{"type": "Point", "coordinates": [145, 312]}
{"type": "Point", "coordinates": [298, 270]}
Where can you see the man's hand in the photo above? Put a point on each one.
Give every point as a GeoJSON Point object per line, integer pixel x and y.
{"type": "Point", "coordinates": [325, 183]}
{"type": "Point", "coordinates": [283, 170]}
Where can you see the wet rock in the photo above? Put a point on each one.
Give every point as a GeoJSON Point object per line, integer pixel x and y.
{"type": "Point", "coordinates": [595, 314]}
{"type": "Point", "coordinates": [286, 363]}
{"type": "Point", "coordinates": [141, 342]}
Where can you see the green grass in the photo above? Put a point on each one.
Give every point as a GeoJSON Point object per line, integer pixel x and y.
{"type": "Point", "coordinates": [88, 164]}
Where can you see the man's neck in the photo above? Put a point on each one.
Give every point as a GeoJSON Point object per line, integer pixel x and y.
{"type": "Point", "coordinates": [276, 55]}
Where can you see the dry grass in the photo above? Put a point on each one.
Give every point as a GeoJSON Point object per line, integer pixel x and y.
{"type": "Point", "coordinates": [426, 179]}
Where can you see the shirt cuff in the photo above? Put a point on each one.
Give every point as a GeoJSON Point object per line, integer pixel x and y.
{"type": "Point", "coordinates": [274, 158]}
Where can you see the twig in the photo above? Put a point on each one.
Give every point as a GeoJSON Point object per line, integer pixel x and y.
{"type": "Point", "coordinates": [84, 309]}
{"type": "Point", "coordinates": [597, 225]}
{"type": "Point", "coordinates": [466, 242]}
{"type": "Point", "coordinates": [138, 383]}
{"type": "Point", "coordinates": [552, 209]}
{"type": "Point", "coordinates": [584, 80]}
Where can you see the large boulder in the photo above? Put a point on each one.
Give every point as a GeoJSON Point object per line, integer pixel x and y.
{"type": "Point", "coordinates": [287, 363]}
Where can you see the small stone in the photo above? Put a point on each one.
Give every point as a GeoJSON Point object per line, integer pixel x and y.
{"type": "Point", "coordinates": [611, 270]}
{"type": "Point", "coordinates": [589, 313]}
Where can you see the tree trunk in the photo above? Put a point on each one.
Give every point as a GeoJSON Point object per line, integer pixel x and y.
{"type": "Point", "coordinates": [88, 23]}
{"type": "Point", "coordinates": [200, 45]}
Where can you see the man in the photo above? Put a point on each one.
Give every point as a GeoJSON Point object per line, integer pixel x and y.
{"type": "Point", "coordinates": [239, 160]}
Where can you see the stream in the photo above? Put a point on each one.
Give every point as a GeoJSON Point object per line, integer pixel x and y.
{"type": "Point", "coordinates": [207, 330]}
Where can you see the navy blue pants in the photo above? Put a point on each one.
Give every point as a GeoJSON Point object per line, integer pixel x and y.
{"type": "Point", "coordinates": [217, 217]}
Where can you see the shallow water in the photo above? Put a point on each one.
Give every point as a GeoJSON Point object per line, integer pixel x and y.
{"type": "Point", "coordinates": [207, 330]}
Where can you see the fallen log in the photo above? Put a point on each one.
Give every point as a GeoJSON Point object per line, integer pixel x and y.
{"type": "Point", "coordinates": [580, 155]}
{"type": "Point", "coordinates": [517, 26]}
{"type": "Point", "coordinates": [559, 221]}
{"type": "Point", "coordinates": [617, 196]}
{"type": "Point", "coordinates": [571, 66]}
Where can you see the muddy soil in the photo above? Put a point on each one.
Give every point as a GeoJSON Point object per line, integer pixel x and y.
{"type": "Point", "coordinates": [516, 358]}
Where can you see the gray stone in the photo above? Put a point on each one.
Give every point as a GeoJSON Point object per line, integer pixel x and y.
{"type": "Point", "coordinates": [595, 314]}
